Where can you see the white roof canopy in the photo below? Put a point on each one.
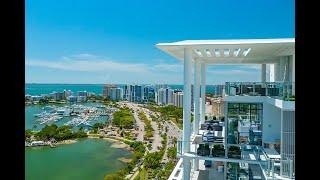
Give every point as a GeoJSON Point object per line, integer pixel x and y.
{"type": "Point", "coordinates": [242, 51]}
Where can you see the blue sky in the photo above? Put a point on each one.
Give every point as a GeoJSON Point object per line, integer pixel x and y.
{"type": "Point", "coordinates": [102, 41]}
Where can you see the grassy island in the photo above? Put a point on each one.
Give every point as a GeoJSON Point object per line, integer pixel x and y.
{"type": "Point", "coordinates": [53, 131]}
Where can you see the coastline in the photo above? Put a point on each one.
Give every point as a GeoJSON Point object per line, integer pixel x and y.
{"type": "Point", "coordinates": [116, 143]}
{"type": "Point", "coordinates": [68, 141]}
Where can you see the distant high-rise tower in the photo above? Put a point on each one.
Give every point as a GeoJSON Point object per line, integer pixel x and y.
{"type": "Point", "coordinates": [106, 90]}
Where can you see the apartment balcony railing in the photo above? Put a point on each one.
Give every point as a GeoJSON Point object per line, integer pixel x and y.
{"type": "Point", "coordinates": [244, 154]}
{"type": "Point", "coordinates": [279, 90]}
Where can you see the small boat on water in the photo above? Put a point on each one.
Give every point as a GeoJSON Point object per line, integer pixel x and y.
{"type": "Point", "coordinates": [63, 111]}
{"type": "Point", "coordinates": [37, 143]}
{"type": "Point", "coordinates": [43, 114]}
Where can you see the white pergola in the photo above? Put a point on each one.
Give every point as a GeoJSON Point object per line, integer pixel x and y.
{"type": "Point", "coordinates": [199, 53]}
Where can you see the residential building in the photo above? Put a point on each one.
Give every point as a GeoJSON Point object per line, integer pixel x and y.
{"type": "Point", "coordinates": [72, 99]}
{"type": "Point", "coordinates": [82, 93]}
{"type": "Point", "coordinates": [159, 86]}
{"type": "Point", "coordinates": [58, 96]}
{"type": "Point", "coordinates": [178, 99]}
{"type": "Point", "coordinates": [45, 96]}
{"type": "Point", "coordinates": [148, 94]}
{"type": "Point", "coordinates": [258, 131]}
{"type": "Point", "coordinates": [106, 90]}
{"type": "Point", "coordinates": [81, 98]}
{"type": "Point", "coordinates": [115, 94]}
{"type": "Point", "coordinates": [28, 97]}
{"type": "Point", "coordinates": [134, 93]}
{"type": "Point", "coordinates": [91, 94]}
{"type": "Point", "coordinates": [66, 93]}
{"type": "Point", "coordinates": [161, 96]}
{"type": "Point", "coordinates": [218, 90]}
{"type": "Point", "coordinates": [165, 96]}
{"type": "Point", "coordinates": [36, 98]}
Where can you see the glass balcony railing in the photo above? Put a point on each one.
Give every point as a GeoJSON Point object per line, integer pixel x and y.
{"type": "Point", "coordinates": [248, 157]}
{"type": "Point", "coordinates": [212, 149]}
{"type": "Point", "coordinates": [279, 90]}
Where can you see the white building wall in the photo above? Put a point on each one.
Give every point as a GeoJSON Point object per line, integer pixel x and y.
{"type": "Point", "coordinates": [271, 123]}
{"type": "Point", "coordinates": [288, 142]}
{"type": "Point", "coordinates": [272, 73]}
{"type": "Point", "coordinates": [293, 68]}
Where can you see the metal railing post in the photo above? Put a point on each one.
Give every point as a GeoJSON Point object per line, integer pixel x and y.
{"type": "Point", "coordinates": [291, 170]}
{"type": "Point", "coordinates": [266, 92]}
{"type": "Point", "coordinates": [272, 168]}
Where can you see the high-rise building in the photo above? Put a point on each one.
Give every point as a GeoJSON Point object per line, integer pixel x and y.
{"type": "Point", "coordinates": [165, 96]}
{"type": "Point", "coordinates": [82, 93]}
{"type": "Point", "coordinates": [161, 97]}
{"type": "Point", "coordinates": [159, 86]}
{"type": "Point", "coordinates": [218, 90]}
{"type": "Point", "coordinates": [178, 99]}
{"type": "Point", "coordinates": [81, 98]}
{"type": "Point", "coordinates": [57, 95]}
{"type": "Point", "coordinates": [72, 99]}
{"type": "Point", "coordinates": [256, 138]}
{"type": "Point", "coordinates": [138, 93]}
{"type": "Point", "coordinates": [66, 93]}
{"type": "Point", "coordinates": [134, 93]}
{"type": "Point", "coordinates": [115, 94]}
{"type": "Point", "coordinates": [106, 90]}
{"type": "Point", "coordinates": [149, 93]}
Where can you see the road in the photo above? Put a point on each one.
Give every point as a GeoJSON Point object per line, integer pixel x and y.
{"type": "Point", "coordinates": [140, 124]}
{"type": "Point", "coordinates": [156, 134]}
{"type": "Point", "coordinates": [173, 130]}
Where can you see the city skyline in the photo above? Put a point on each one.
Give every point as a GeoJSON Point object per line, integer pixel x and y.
{"type": "Point", "coordinates": [102, 42]}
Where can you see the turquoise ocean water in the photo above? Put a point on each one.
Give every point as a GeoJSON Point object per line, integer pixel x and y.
{"type": "Point", "coordinates": [37, 89]}
{"type": "Point", "coordinates": [88, 159]}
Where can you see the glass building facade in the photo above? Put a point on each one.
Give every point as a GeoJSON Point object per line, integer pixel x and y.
{"type": "Point", "coordinates": [245, 123]}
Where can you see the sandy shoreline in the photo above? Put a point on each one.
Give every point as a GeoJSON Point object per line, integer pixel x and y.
{"type": "Point", "coordinates": [117, 143]}
{"type": "Point", "coordinates": [125, 160]}
{"type": "Point", "coordinates": [69, 141]}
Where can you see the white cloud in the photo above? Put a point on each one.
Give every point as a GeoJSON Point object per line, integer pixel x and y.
{"type": "Point", "coordinates": [92, 63]}
{"type": "Point", "coordinates": [88, 65]}
{"type": "Point", "coordinates": [84, 56]}
{"type": "Point", "coordinates": [101, 69]}
{"type": "Point", "coordinates": [168, 67]}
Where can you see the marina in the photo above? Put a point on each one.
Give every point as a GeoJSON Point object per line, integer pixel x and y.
{"type": "Point", "coordinates": [76, 115]}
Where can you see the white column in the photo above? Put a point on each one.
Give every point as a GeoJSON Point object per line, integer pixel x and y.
{"type": "Point", "coordinates": [203, 92]}
{"type": "Point", "coordinates": [186, 111]}
{"type": "Point", "coordinates": [186, 168]}
{"type": "Point", "coordinates": [293, 68]}
{"type": "Point", "coordinates": [271, 73]}
{"type": "Point", "coordinates": [196, 97]}
{"type": "Point", "coordinates": [187, 99]}
{"type": "Point", "coordinates": [281, 143]}
{"type": "Point", "coordinates": [196, 101]}
{"type": "Point", "coordinates": [293, 75]}
{"type": "Point", "coordinates": [263, 72]}
{"type": "Point", "coordinates": [226, 124]}
{"type": "Point", "coordinates": [277, 75]}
